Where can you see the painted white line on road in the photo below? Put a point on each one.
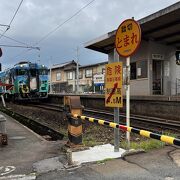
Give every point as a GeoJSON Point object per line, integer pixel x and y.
{"type": "Point", "coordinates": [7, 170]}
{"type": "Point", "coordinates": [19, 177]}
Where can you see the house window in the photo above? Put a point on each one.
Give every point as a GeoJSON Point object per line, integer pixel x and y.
{"type": "Point", "coordinates": [139, 69]}
{"type": "Point", "coordinates": [133, 71]}
{"type": "Point", "coordinates": [80, 74]}
{"type": "Point", "coordinates": [88, 73]}
{"type": "Point", "coordinates": [70, 75]}
{"type": "Point", "coordinates": [58, 76]}
{"type": "Point", "coordinates": [103, 70]}
{"type": "Point", "coordinates": [142, 69]}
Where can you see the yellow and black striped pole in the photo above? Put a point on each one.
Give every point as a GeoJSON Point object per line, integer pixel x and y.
{"type": "Point", "coordinates": [148, 134]}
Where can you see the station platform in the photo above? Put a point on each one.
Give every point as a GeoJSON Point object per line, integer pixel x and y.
{"type": "Point", "coordinates": [23, 150]}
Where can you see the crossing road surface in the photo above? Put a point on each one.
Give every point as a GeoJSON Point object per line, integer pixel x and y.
{"type": "Point", "coordinates": [29, 157]}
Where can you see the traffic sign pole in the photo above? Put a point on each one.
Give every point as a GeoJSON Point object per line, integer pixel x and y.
{"type": "Point", "coordinates": [116, 115]}
{"type": "Point", "coordinates": [127, 41]}
{"type": "Point", "coordinates": [128, 99]}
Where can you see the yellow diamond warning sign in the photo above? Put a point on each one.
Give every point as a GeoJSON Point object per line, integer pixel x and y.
{"type": "Point", "coordinates": [113, 85]}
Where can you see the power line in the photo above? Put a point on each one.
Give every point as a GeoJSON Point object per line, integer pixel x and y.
{"type": "Point", "coordinates": [4, 25]}
{"type": "Point", "coordinates": [60, 25]}
{"type": "Point", "coordinates": [8, 26]}
{"type": "Point", "coordinates": [55, 29]}
{"type": "Point", "coordinates": [15, 13]}
{"type": "Point", "coordinates": [29, 47]}
{"type": "Point", "coordinates": [20, 42]}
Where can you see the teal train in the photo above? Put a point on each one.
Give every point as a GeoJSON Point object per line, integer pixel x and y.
{"type": "Point", "coordinates": [29, 80]}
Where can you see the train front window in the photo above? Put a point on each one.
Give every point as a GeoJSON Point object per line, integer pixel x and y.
{"type": "Point", "coordinates": [20, 72]}
{"type": "Point", "coordinates": [43, 72]}
{"type": "Point", "coordinates": [33, 72]}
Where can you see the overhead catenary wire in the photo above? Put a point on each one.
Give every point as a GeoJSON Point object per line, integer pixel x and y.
{"type": "Point", "coordinates": [55, 29]}
{"type": "Point", "coordinates": [20, 42]}
{"type": "Point", "coordinates": [60, 25]}
{"type": "Point", "coordinates": [8, 26]}
{"type": "Point", "coordinates": [15, 13]}
{"type": "Point", "coordinates": [29, 47]}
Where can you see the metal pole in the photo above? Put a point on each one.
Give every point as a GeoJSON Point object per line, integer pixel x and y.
{"type": "Point", "coordinates": [116, 115]}
{"type": "Point", "coordinates": [77, 72]}
{"type": "Point", "coordinates": [128, 99]}
{"type": "Point", "coordinates": [50, 74]}
{"type": "Point", "coordinates": [116, 131]}
{"type": "Point", "coordinates": [3, 101]}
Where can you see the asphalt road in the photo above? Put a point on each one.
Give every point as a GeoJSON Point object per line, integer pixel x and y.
{"type": "Point", "coordinates": [154, 165]}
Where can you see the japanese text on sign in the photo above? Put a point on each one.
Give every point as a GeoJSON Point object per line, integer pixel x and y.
{"type": "Point", "coordinates": [113, 86]}
{"type": "Point", "coordinates": [128, 37]}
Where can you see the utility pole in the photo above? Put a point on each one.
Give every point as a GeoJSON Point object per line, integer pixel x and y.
{"type": "Point", "coordinates": [77, 72]}
{"type": "Point", "coordinates": [50, 76]}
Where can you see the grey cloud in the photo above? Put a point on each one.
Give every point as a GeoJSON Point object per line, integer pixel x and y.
{"type": "Point", "coordinates": [38, 17]}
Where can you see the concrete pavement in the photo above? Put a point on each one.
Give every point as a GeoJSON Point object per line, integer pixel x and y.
{"type": "Point", "coordinates": [29, 157]}
{"type": "Point", "coordinates": [154, 165]}
{"type": "Point", "coordinates": [23, 150]}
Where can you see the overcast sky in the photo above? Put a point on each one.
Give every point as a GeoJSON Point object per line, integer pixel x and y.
{"type": "Point", "coordinates": [36, 18]}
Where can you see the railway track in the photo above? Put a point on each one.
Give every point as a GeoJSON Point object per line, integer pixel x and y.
{"type": "Point", "coordinates": [138, 121]}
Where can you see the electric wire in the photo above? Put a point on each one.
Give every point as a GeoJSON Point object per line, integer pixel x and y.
{"type": "Point", "coordinates": [8, 26]}
{"type": "Point", "coordinates": [15, 13]}
{"type": "Point", "coordinates": [20, 42]}
{"type": "Point", "coordinates": [29, 47]}
{"type": "Point", "coordinates": [55, 29]}
{"type": "Point", "coordinates": [60, 25]}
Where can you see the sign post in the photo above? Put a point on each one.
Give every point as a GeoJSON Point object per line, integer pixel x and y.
{"type": "Point", "coordinates": [113, 94]}
{"type": "Point", "coordinates": [127, 41]}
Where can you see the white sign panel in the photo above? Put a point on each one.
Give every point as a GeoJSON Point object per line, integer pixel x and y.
{"type": "Point", "coordinates": [98, 79]}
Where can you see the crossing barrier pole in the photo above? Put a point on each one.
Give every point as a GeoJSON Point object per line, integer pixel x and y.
{"type": "Point", "coordinates": [72, 104]}
{"type": "Point", "coordinates": [148, 134]}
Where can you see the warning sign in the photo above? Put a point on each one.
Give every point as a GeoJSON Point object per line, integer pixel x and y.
{"type": "Point", "coordinates": [113, 86]}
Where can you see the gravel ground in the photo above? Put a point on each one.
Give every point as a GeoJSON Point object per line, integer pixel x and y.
{"type": "Point", "coordinates": [91, 132]}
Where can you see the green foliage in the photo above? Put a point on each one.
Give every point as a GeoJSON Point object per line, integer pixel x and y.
{"type": "Point", "coordinates": [105, 160]}
{"type": "Point", "coordinates": [146, 145]}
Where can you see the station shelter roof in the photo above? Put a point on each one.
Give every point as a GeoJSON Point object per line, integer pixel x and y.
{"type": "Point", "coordinates": [162, 27]}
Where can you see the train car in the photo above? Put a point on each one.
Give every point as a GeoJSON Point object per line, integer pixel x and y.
{"type": "Point", "coordinates": [30, 81]}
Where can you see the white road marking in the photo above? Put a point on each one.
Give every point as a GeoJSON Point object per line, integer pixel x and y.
{"type": "Point", "coordinates": [7, 170]}
{"type": "Point", "coordinates": [19, 177]}
{"type": "Point", "coordinates": [169, 178]}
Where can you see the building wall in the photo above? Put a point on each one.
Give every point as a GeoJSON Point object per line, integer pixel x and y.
{"type": "Point", "coordinates": [53, 75]}
{"type": "Point", "coordinates": [171, 71]}
{"type": "Point", "coordinates": [85, 83]}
